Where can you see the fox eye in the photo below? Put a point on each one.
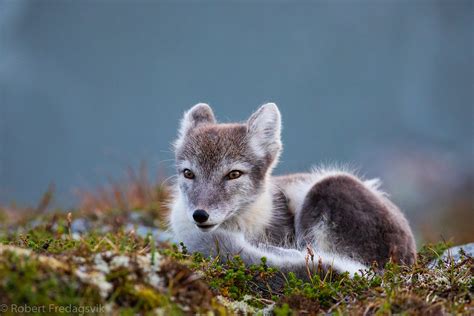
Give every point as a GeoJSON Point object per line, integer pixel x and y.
{"type": "Point", "coordinates": [234, 174]}
{"type": "Point", "coordinates": [188, 174]}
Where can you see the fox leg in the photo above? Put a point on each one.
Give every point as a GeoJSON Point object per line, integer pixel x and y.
{"type": "Point", "coordinates": [226, 244]}
{"type": "Point", "coordinates": [340, 214]}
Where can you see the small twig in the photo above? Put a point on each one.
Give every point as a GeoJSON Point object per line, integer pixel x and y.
{"type": "Point", "coordinates": [309, 254]}
{"type": "Point", "coordinates": [69, 224]}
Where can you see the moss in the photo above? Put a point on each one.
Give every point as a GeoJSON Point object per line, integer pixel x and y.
{"type": "Point", "coordinates": [26, 281]}
{"type": "Point", "coordinates": [283, 310]}
{"type": "Point", "coordinates": [432, 251]}
{"type": "Point", "coordinates": [49, 264]}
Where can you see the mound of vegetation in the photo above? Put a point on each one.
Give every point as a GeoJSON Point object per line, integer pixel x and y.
{"type": "Point", "coordinates": [111, 257]}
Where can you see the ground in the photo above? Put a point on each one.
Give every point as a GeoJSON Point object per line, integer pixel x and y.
{"type": "Point", "coordinates": [109, 257]}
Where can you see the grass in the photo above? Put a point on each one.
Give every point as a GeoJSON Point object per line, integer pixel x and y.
{"type": "Point", "coordinates": [110, 267]}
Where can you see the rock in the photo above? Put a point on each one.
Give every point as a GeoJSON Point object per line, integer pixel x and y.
{"type": "Point", "coordinates": [80, 225]}
{"type": "Point", "coordinates": [454, 253]}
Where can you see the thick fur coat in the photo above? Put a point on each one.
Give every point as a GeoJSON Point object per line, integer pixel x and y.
{"type": "Point", "coordinates": [227, 202]}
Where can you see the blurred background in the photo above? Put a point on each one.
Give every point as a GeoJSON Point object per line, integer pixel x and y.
{"type": "Point", "coordinates": [90, 88]}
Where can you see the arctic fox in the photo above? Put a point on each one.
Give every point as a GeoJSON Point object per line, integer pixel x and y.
{"type": "Point", "coordinates": [227, 202]}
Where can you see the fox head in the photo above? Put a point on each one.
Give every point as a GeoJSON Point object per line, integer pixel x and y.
{"type": "Point", "coordinates": [223, 168]}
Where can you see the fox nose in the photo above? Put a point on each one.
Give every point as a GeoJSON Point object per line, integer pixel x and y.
{"type": "Point", "coordinates": [200, 216]}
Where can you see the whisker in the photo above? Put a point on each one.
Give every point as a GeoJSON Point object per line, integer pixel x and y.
{"type": "Point", "coordinates": [169, 178]}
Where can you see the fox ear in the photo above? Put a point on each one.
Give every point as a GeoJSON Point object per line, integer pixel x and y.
{"type": "Point", "coordinates": [264, 128]}
{"type": "Point", "coordinates": [200, 114]}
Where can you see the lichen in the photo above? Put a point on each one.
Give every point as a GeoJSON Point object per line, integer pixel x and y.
{"type": "Point", "coordinates": [44, 263]}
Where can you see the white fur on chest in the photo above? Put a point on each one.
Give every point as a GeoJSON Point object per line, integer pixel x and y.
{"type": "Point", "coordinates": [180, 225]}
